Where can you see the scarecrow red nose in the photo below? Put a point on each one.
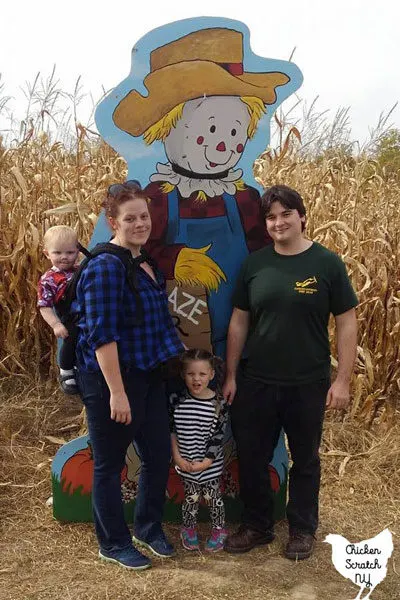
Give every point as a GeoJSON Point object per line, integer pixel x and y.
{"type": "Point", "coordinates": [221, 147]}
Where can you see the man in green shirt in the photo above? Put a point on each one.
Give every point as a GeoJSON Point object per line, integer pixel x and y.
{"type": "Point", "coordinates": [284, 297]}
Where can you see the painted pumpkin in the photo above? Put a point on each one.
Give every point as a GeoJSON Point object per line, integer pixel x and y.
{"type": "Point", "coordinates": [77, 472]}
{"type": "Point", "coordinates": [274, 478]}
{"type": "Point", "coordinates": [229, 481]}
{"type": "Point", "coordinates": [175, 489]}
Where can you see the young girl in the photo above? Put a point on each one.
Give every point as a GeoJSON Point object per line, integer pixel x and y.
{"type": "Point", "coordinates": [198, 418]}
{"type": "Point", "coordinates": [61, 248]}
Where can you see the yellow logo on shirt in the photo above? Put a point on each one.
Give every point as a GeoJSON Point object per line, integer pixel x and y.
{"type": "Point", "coordinates": [303, 287]}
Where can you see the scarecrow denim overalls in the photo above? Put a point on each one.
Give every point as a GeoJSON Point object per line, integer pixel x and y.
{"type": "Point", "coordinates": [228, 250]}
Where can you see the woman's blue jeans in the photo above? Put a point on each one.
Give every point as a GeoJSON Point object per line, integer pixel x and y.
{"type": "Point", "coordinates": [149, 431]}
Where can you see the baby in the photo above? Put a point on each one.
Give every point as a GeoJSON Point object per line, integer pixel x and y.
{"type": "Point", "coordinates": [61, 247]}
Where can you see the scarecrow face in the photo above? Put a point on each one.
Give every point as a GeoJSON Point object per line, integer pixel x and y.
{"type": "Point", "coordinates": [211, 135]}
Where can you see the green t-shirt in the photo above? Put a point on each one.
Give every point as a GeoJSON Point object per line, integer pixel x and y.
{"type": "Point", "coordinates": [290, 299]}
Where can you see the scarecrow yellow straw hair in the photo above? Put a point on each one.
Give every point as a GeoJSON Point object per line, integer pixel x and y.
{"type": "Point", "coordinates": [256, 109]}
{"type": "Point", "coordinates": [161, 129]}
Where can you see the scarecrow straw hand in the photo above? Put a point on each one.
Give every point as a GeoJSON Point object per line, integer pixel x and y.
{"type": "Point", "coordinates": [194, 267]}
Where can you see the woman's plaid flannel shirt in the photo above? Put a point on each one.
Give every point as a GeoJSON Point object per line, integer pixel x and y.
{"type": "Point", "coordinates": [107, 313]}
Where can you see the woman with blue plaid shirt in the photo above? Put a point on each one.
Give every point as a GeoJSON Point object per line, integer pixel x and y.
{"type": "Point", "coordinates": [124, 336]}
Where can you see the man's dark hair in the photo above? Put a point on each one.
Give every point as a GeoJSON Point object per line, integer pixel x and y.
{"type": "Point", "coordinates": [286, 196]}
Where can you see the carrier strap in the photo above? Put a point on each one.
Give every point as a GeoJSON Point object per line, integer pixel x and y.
{"type": "Point", "coordinates": [131, 265]}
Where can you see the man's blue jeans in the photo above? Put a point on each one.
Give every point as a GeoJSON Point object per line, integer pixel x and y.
{"type": "Point", "coordinates": [150, 434]}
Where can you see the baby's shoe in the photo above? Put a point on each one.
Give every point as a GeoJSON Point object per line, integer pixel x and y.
{"type": "Point", "coordinates": [216, 541]}
{"type": "Point", "coordinates": [189, 538]}
{"type": "Point", "coordinates": [68, 382]}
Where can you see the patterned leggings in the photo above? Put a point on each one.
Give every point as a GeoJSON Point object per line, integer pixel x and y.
{"type": "Point", "coordinates": [211, 493]}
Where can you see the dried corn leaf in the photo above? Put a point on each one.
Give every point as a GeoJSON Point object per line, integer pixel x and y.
{"type": "Point", "coordinates": [61, 210]}
{"type": "Point", "coordinates": [20, 180]}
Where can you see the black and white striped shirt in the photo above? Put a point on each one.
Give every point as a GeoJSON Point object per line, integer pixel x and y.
{"type": "Point", "coordinates": [199, 428]}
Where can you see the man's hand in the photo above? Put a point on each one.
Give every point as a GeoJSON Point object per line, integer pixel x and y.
{"type": "Point", "coordinates": [338, 395]}
{"type": "Point", "coordinates": [120, 408]}
{"type": "Point", "coordinates": [183, 464]}
{"type": "Point", "coordinates": [60, 330]}
{"type": "Point", "coordinates": [198, 466]}
{"type": "Point", "coordinates": [229, 389]}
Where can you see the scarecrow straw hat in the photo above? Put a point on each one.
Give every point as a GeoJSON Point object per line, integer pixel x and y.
{"type": "Point", "coordinates": [205, 62]}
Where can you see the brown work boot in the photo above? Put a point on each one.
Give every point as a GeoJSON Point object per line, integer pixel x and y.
{"type": "Point", "coordinates": [245, 539]}
{"type": "Point", "coordinates": [300, 545]}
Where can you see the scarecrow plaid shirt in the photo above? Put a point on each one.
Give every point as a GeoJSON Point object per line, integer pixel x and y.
{"type": "Point", "coordinates": [248, 203]}
{"type": "Point", "coordinates": [107, 313]}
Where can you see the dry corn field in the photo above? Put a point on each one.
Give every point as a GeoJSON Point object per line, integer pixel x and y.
{"type": "Point", "coordinates": [353, 209]}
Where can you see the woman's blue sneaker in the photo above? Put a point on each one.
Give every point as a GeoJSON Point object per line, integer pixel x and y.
{"type": "Point", "coordinates": [129, 558]}
{"type": "Point", "coordinates": [160, 546]}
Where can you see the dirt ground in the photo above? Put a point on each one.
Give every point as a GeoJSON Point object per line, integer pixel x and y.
{"type": "Point", "coordinates": [41, 559]}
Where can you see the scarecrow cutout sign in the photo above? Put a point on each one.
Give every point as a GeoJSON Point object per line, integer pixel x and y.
{"type": "Point", "coordinates": [190, 119]}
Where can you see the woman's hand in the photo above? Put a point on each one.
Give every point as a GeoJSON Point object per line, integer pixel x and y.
{"type": "Point", "coordinates": [107, 357]}
{"type": "Point", "coordinates": [120, 408]}
{"type": "Point", "coordinates": [198, 466]}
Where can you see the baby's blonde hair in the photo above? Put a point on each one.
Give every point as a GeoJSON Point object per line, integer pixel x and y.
{"type": "Point", "coordinates": [59, 233]}
{"type": "Point", "coordinates": [162, 129]}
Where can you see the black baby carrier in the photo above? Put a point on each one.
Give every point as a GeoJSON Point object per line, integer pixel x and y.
{"type": "Point", "coordinates": [70, 317]}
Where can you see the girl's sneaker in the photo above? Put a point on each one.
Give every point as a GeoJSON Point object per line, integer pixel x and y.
{"type": "Point", "coordinates": [189, 538]}
{"type": "Point", "coordinates": [216, 541]}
